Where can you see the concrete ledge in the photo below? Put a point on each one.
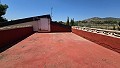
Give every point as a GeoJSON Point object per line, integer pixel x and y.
{"type": "Point", "coordinates": [106, 41]}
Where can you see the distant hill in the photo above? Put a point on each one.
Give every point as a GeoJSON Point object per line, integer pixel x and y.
{"type": "Point", "coordinates": [103, 19]}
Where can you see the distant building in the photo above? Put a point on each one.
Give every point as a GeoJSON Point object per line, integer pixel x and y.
{"type": "Point", "coordinates": [39, 23]}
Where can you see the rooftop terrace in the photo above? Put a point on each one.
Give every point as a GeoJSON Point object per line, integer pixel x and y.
{"type": "Point", "coordinates": [62, 46]}
{"type": "Point", "coordinates": [58, 50]}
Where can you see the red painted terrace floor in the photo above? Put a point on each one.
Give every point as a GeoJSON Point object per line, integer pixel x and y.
{"type": "Point", "coordinates": [58, 50]}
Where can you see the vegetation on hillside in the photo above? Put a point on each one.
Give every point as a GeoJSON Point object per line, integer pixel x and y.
{"type": "Point", "coordinates": [109, 23]}
{"type": "Point", "coordinates": [103, 23]}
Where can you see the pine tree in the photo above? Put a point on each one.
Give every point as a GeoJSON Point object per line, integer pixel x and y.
{"type": "Point", "coordinates": [3, 9]}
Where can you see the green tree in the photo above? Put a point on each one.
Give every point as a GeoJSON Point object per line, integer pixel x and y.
{"type": "Point", "coordinates": [119, 24]}
{"type": "Point", "coordinates": [114, 27]}
{"type": "Point", "coordinates": [2, 19]}
{"type": "Point", "coordinates": [72, 22]}
{"type": "Point", "coordinates": [3, 9]}
{"type": "Point", "coordinates": [67, 23]}
{"type": "Point", "coordinates": [61, 22]}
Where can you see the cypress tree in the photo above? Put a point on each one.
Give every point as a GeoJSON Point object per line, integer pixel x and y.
{"type": "Point", "coordinates": [67, 23]}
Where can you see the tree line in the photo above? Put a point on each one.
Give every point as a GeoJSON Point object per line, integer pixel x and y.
{"type": "Point", "coordinates": [69, 22]}
{"type": "Point", "coordinates": [109, 24]}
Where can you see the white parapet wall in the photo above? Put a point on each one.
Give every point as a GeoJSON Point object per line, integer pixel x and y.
{"type": "Point", "coordinates": [112, 33]}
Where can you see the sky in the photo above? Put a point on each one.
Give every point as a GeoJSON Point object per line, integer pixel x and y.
{"type": "Point", "coordinates": [77, 9]}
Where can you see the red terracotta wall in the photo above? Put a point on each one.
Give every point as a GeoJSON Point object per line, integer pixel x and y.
{"type": "Point", "coordinates": [56, 27]}
{"type": "Point", "coordinates": [12, 35]}
{"type": "Point", "coordinates": [106, 41]}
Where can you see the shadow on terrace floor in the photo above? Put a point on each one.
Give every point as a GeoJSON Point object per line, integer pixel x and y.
{"type": "Point", "coordinates": [10, 44]}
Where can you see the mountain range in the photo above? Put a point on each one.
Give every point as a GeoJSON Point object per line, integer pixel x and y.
{"type": "Point", "coordinates": [103, 19]}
